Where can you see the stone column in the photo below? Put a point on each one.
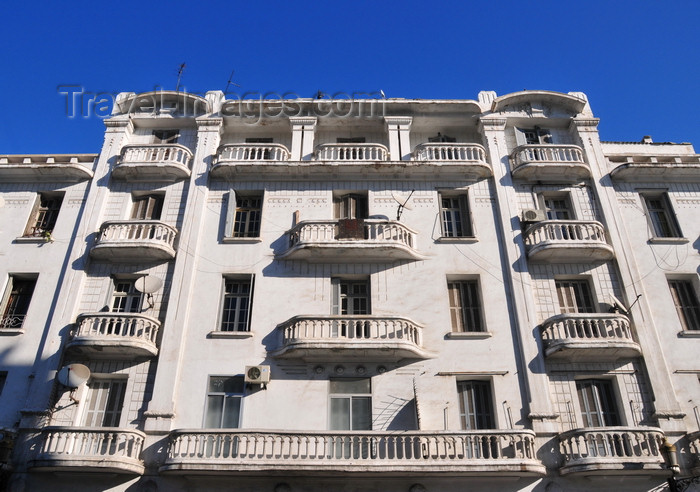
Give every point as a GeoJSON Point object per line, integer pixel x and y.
{"type": "Point", "coordinates": [399, 137]}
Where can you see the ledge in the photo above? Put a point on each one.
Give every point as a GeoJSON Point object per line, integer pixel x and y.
{"type": "Point", "coordinates": [230, 334]}
{"type": "Point", "coordinates": [11, 331]}
{"type": "Point", "coordinates": [464, 239]}
{"type": "Point", "coordinates": [241, 240]}
{"type": "Point", "coordinates": [468, 335]}
{"type": "Point", "coordinates": [31, 240]}
{"type": "Point", "coordinates": [668, 240]}
{"type": "Point", "coordinates": [689, 334]}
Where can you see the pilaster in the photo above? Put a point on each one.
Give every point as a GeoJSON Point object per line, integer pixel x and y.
{"type": "Point", "coordinates": [399, 137]}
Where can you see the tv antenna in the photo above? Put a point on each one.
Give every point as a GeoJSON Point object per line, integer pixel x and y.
{"type": "Point", "coordinates": [180, 70]}
{"type": "Point", "coordinates": [403, 204]}
{"type": "Point", "coordinates": [231, 82]}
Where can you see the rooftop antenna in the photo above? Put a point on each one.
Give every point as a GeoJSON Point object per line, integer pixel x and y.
{"type": "Point", "coordinates": [231, 82]}
{"type": "Point", "coordinates": [382, 94]}
{"type": "Point", "coordinates": [402, 203]}
{"type": "Point", "coordinates": [180, 70]}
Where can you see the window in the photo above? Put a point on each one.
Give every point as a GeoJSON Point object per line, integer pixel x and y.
{"type": "Point", "coordinates": [350, 206]}
{"type": "Point", "coordinates": [350, 404]}
{"type": "Point", "coordinates": [44, 215]}
{"type": "Point", "coordinates": [533, 136]}
{"type": "Point", "coordinates": [660, 215]}
{"type": "Point", "coordinates": [351, 298]}
{"type": "Point", "coordinates": [125, 297]}
{"type": "Point", "coordinates": [475, 405]}
{"type": "Point", "coordinates": [441, 138]}
{"type": "Point", "coordinates": [243, 215]}
{"type": "Point", "coordinates": [597, 401]}
{"type": "Point", "coordinates": [104, 402]}
{"type": "Point", "coordinates": [224, 402]}
{"type": "Point", "coordinates": [165, 136]}
{"type": "Point", "coordinates": [557, 207]}
{"type": "Point", "coordinates": [235, 315]}
{"type": "Point", "coordinates": [454, 215]}
{"type": "Point", "coordinates": [147, 207]}
{"type": "Point", "coordinates": [465, 306]}
{"type": "Point", "coordinates": [15, 303]}
{"type": "Point", "coordinates": [574, 296]}
{"type": "Point", "coordinates": [686, 301]}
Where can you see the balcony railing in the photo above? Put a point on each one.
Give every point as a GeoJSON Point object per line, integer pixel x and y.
{"type": "Point", "coordinates": [351, 152]}
{"type": "Point", "coordinates": [450, 152]}
{"type": "Point", "coordinates": [90, 449]}
{"type": "Point", "coordinates": [167, 162]}
{"type": "Point", "coordinates": [42, 168]}
{"type": "Point", "coordinates": [134, 240]}
{"type": "Point", "coordinates": [349, 240]}
{"type": "Point", "coordinates": [617, 450]}
{"type": "Point", "coordinates": [589, 336]}
{"type": "Point", "coordinates": [355, 337]}
{"type": "Point", "coordinates": [128, 334]}
{"type": "Point", "coordinates": [251, 152]}
{"type": "Point", "coordinates": [498, 452]}
{"type": "Point", "coordinates": [694, 444]}
{"type": "Point", "coordinates": [567, 240]}
{"type": "Point", "coordinates": [563, 163]}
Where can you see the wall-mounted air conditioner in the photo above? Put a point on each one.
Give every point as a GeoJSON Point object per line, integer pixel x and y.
{"type": "Point", "coordinates": [533, 215]}
{"type": "Point", "coordinates": [257, 374]}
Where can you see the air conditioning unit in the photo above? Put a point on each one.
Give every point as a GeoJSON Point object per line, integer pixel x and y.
{"type": "Point", "coordinates": [533, 215]}
{"type": "Point", "coordinates": [257, 374]}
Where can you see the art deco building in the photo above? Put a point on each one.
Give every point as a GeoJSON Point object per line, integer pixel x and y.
{"type": "Point", "coordinates": [376, 295]}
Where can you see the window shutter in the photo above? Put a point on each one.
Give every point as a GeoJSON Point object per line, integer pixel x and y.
{"type": "Point", "coordinates": [230, 214]}
{"type": "Point", "coordinates": [250, 301]}
{"type": "Point", "coordinates": [520, 137]}
{"type": "Point", "coordinates": [335, 296]}
{"type": "Point", "coordinates": [467, 222]}
{"type": "Point", "coordinates": [33, 217]}
{"type": "Point", "coordinates": [6, 296]}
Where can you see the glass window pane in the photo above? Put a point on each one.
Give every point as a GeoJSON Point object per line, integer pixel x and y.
{"type": "Point", "coordinates": [232, 412]}
{"type": "Point", "coordinates": [351, 386]}
{"type": "Point", "coordinates": [361, 413]}
{"type": "Point", "coordinates": [215, 405]}
{"type": "Point", "coordinates": [340, 414]}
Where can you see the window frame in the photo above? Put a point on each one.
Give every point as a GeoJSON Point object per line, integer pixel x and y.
{"type": "Point", "coordinates": [465, 221]}
{"type": "Point", "coordinates": [110, 379]}
{"type": "Point", "coordinates": [133, 298]}
{"type": "Point", "coordinates": [153, 206]}
{"type": "Point", "coordinates": [488, 406]}
{"type": "Point", "coordinates": [614, 409]}
{"type": "Point", "coordinates": [7, 302]}
{"type": "Point", "coordinates": [351, 205]}
{"type": "Point", "coordinates": [350, 397]}
{"type": "Point", "coordinates": [688, 309]}
{"type": "Point", "coordinates": [577, 307]}
{"type": "Point", "coordinates": [239, 395]}
{"type": "Point", "coordinates": [234, 211]}
{"type": "Point", "coordinates": [527, 136]}
{"type": "Point", "coordinates": [457, 311]}
{"type": "Point", "coordinates": [166, 136]}
{"type": "Point", "coordinates": [38, 226]}
{"type": "Point", "coordinates": [668, 214]}
{"type": "Point", "coordinates": [552, 213]}
{"type": "Point", "coordinates": [222, 307]}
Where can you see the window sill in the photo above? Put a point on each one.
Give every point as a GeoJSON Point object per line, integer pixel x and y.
{"type": "Point", "coordinates": [229, 334]}
{"type": "Point", "coordinates": [689, 334]}
{"type": "Point", "coordinates": [11, 331]}
{"type": "Point", "coordinates": [235, 240]}
{"type": "Point", "coordinates": [468, 335]}
{"type": "Point", "coordinates": [32, 239]}
{"type": "Point", "coordinates": [460, 239]}
{"type": "Point", "coordinates": [669, 240]}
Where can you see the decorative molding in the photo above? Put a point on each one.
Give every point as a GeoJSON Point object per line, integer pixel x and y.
{"type": "Point", "coordinates": [586, 124]}
{"type": "Point", "coordinates": [492, 124]}
{"type": "Point", "coordinates": [403, 121]}
{"type": "Point", "coordinates": [209, 123]}
{"type": "Point", "coordinates": [303, 121]}
{"type": "Point", "coordinates": [472, 373]}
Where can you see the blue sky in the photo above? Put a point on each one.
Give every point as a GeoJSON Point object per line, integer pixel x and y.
{"type": "Point", "coordinates": [638, 61]}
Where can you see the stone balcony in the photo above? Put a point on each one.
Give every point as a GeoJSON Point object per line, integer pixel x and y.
{"type": "Point", "coordinates": [656, 169]}
{"type": "Point", "coordinates": [564, 241]}
{"type": "Point", "coordinates": [135, 241]}
{"type": "Point", "coordinates": [588, 337]}
{"type": "Point", "coordinates": [351, 152]}
{"type": "Point", "coordinates": [613, 451]}
{"type": "Point", "coordinates": [549, 163]}
{"type": "Point", "coordinates": [468, 158]}
{"type": "Point", "coordinates": [115, 335]}
{"type": "Point", "coordinates": [93, 449]}
{"type": "Point", "coordinates": [234, 159]}
{"type": "Point", "coordinates": [340, 241]}
{"type": "Point", "coordinates": [153, 162]}
{"type": "Point", "coordinates": [396, 453]}
{"type": "Point", "coordinates": [46, 168]}
{"type": "Point", "coordinates": [694, 445]}
{"type": "Point", "coordinates": [352, 338]}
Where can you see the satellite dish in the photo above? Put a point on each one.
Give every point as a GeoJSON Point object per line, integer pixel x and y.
{"type": "Point", "coordinates": [148, 284]}
{"type": "Point", "coordinates": [401, 200]}
{"type": "Point", "coordinates": [617, 305]}
{"type": "Point", "coordinates": [73, 375]}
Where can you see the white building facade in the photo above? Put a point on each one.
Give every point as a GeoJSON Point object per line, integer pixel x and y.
{"type": "Point", "coordinates": [382, 294]}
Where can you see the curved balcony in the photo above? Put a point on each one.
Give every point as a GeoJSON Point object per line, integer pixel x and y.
{"type": "Point", "coordinates": [560, 163]}
{"type": "Point", "coordinates": [562, 241]}
{"type": "Point", "coordinates": [350, 240]}
{"type": "Point", "coordinates": [234, 159]}
{"type": "Point", "coordinates": [682, 169]}
{"type": "Point", "coordinates": [46, 168]}
{"type": "Point", "coordinates": [115, 334]}
{"type": "Point", "coordinates": [613, 451]}
{"type": "Point", "coordinates": [589, 337]}
{"type": "Point", "coordinates": [342, 337]}
{"type": "Point", "coordinates": [397, 453]}
{"type": "Point", "coordinates": [468, 158]}
{"type": "Point", "coordinates": [351, 152]}
{"type": "Point", "coordinates": [135, 241]}
{"type": "Point", "coordinates": [153, 162]}
{"type": "Point", "coordinates": [104, 449]}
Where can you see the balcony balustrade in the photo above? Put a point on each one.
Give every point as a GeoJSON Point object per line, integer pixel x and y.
{"type": "Point", "coordinates": [343, 337]}
{"type": "Point", "coordinates": [104, 449]}
{"type": "Point", "coordinates": [154, 162]}
{"type": "Point", "coordinates": [46, 168]}
{"type": "Point", "coordinates": [567, 241]}
{"type": "Point", "coordinates": [115, 334]}
{"type": "Point", "coordinates": [694, 444]}
{"type": "Point", "coordinates": [351, 240]}
{"type": "Point", "coordinates": [234, 159]}
{"type": "Point", "coordinates": [351, 152]}
{"type": "Point", "coordinates": [135, 240]}
{"type": "Point", "coordinates": [589, 337]}
{"type": "Point", "coordinates": [467, 159]}
{"type": "Point", "coordinates": [495, 452]}
{"type": "Point", "coordinates": [560, 163]}
{"type": "Point", "coordinates": [613, 450]}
